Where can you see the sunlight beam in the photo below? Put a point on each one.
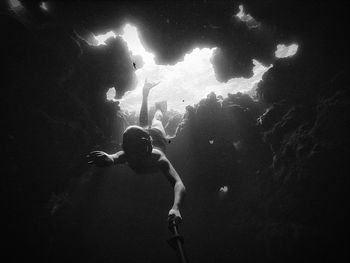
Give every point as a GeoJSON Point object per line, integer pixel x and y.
{"type": "Point", "coordinates": [182, 84]}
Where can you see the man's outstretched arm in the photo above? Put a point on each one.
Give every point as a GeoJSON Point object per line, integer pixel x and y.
{"type": "Point", "coordinates": [176, 182]}
{"type": "Point", "coordinates": [102, 159]}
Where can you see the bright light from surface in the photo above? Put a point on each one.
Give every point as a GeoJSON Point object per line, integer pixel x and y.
{"type": "Point", "coordinates": [43, 6]}
{"type": "Point", "coordinates": [15, 4]}
{"type": "Point", "coordinates": [110, 95]}
{"type": "Point", "coordinates": [223, 189]}
{"type": "Point", "coordinates": [101, 39]}
{"type": "Point", "coordinates": [247, 18]}
{"type": "Point", "coordinates": [131, 37]}
{"type": "Point", "coordinates": [241, 14]}
{"type": "Point", "coordinates": [182, 84]}
{"type": "Point", "coordinates": [284, 51]}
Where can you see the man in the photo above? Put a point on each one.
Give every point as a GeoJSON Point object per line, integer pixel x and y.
{"type": "Point", "coordinates": [144, 151]}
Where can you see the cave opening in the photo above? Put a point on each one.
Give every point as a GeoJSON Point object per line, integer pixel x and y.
{"type": "Point", "coordinates": [253, 103]}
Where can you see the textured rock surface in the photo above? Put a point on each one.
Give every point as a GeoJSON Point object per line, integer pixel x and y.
{"type": "Point", "coordinates": [284, 159]}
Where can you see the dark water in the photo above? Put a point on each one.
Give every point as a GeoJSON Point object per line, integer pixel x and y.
{"type": "Point", "coordinates": [123, 218]}
{"type": "Point", "coordinates": [287, 181]}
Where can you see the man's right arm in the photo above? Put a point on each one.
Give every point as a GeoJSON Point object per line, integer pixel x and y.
{"type": "Point", "coordinates": [119, 157]}
{"type": "Point", "coordinates": [102, 159]}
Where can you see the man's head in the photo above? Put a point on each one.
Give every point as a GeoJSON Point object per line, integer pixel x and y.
{"type": "Point", "coordinates": [137, 143]}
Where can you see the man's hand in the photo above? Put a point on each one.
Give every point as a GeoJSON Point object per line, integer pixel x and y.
{"type": "Point", "coordinates": [174, 214]}
{"type": "Point", "coordinates": [99, 158]}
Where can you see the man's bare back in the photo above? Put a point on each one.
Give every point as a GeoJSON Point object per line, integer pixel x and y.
{"type": "Point", "coordinates": [151, 164]}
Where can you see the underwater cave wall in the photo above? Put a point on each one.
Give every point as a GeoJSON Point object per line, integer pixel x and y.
{"type": "Point", "coordinates": [284, 159]}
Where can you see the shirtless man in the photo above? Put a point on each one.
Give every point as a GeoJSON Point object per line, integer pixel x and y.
{"type": "Point", "coordinates": [144, 152]}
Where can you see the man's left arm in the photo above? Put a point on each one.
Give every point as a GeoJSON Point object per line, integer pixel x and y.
{"type": "Point", "coordinates": [179, 189]}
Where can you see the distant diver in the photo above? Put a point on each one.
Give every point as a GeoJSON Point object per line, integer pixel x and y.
{"type": "Point", "coordinates": [144, 151]}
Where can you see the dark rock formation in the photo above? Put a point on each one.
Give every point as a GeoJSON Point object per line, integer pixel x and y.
{"type": "Point", "coordinates": [283, 159]}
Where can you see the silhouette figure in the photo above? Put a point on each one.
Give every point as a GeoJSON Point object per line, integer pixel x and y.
{"type": "Point", "coordinates": [144, 151]}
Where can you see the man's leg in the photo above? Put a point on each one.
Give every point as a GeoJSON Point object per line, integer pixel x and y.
{"type": "Point", "coordinates": [157, 122]}
{"type": "Point", "coordinates": [144, 107]}
{"type": "Point", "coordinates": [158, 117]}
{"type": "Point", "coordinates": [144, 111]}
